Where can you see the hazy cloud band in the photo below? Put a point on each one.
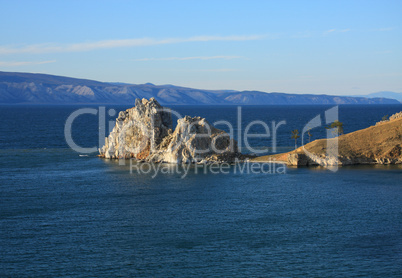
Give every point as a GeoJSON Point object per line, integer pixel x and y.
{"type": "Point", "coordinates": [23, 63]}
{"type": "Point", "coordinates": [108, 44]}
{"type": "Point", "coordinates": [188, 58]}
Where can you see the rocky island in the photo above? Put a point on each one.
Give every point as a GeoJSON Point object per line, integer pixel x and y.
{"type": "Point", "coordinates": [379, 144]}
{"type": "Point", "coordinates": [145, 133]}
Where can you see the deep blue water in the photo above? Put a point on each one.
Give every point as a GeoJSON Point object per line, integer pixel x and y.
{"type": "Point", "coordinates": [62, 214]}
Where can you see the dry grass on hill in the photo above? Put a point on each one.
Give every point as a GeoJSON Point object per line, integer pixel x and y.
{"type": "Point", "coordinates": [383, 140]}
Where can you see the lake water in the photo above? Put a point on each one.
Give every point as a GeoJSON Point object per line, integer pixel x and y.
{"type": "Point", "coordinates": [65, 214]}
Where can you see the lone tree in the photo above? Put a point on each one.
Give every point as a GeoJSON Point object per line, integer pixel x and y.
{"type": "Point", "coordinates": [337, 126]}
{"type": "Point", "coordinates": [295, 135]}
{"type": "Point", "coordinates": [385, 118]}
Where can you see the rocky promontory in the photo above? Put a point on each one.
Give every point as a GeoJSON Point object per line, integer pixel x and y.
{"type": "Point", "coordinates": [145, 133]}
{"type": "Point", "coordinates": [379, 144]}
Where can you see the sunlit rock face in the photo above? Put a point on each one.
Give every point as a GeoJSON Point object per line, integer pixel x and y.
{"type": "Point", "coordinates": [138, 130]}
{"type": "Point", "coordinates": [145, 132]}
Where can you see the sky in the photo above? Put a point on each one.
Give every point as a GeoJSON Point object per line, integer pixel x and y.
{"type": "Point", "coordinates": [316, 47]}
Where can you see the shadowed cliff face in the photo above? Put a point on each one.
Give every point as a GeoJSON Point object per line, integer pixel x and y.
{"type": "Point", "coordinates": [379, 144]}
{"type": "Point", "coordinates": [50, 89]}
{"type": "Point", "coordinates": [144, 132]}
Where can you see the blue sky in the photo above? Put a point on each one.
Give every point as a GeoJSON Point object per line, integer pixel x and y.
{"type": "Point", "coordinates": [318, 47]}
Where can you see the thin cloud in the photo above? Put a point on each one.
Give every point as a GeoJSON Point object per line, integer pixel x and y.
{"type": "Point", "coordinates": [336, 31]}
{"type": "Point", "coordinates": [17, 64]}
{"type": "Point", "coordinates": [189, 58]}
{"type": "Point", "coordinates": [329, 31]}
{"type": "Point", "coordinates": [108, 44]}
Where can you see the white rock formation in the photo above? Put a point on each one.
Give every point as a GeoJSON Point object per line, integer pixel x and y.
{"type": "Point", "coordinates": [138, 130]}
{"type": "Point", "coordinates": [144, 132]}
{"type": "Point", "coordinates": [194, 141]}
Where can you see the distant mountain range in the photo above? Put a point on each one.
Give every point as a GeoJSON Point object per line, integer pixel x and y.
{"type": "Point", "coordinates": [30, 88]}
{"type": "Point", "coordinates": [384, 94]}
